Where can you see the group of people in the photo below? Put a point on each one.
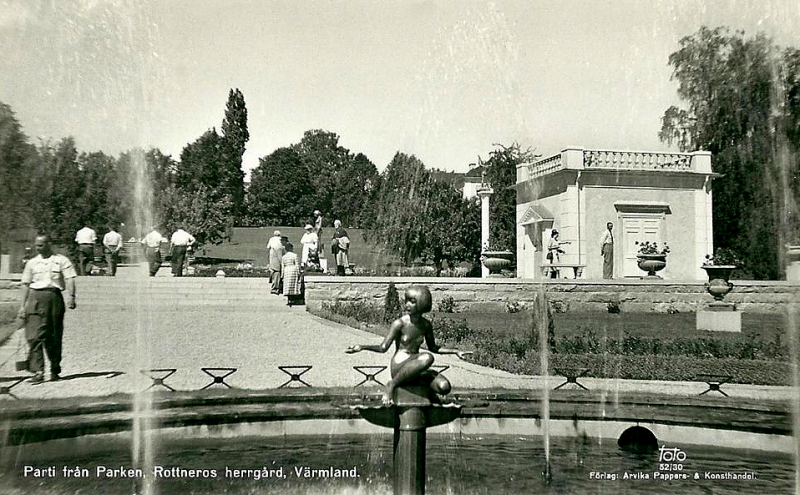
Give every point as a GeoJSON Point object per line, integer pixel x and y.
{"type": "Point", "coordinates": [87, 239]}
{"type": "Point", "coordinates": [286, 269]}
{"type": "Point", "coordinates": [554, 251]}
{"type": "Point", "coordinates": [180, 244]}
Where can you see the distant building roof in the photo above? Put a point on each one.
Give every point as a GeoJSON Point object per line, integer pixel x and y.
{"type": "Point", "coordinates": [455, 179]}
{"type": "Point", "coordinates": [475, 172]}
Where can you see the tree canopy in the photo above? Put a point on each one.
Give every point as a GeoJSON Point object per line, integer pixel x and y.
{"type": "Point", "coordinates": [501, 172]}
{"type": "Point", "coordinates": [416, 216]}
{"type": "Point", "coordinates": [742, 105]}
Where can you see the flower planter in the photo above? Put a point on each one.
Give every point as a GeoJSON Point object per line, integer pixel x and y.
{"type": "Point", "coordinates": [719, 280]}
{"type": "Point", "coordinates": [496, 261]}
{"type": "Point", "coordinates": [652, 263]}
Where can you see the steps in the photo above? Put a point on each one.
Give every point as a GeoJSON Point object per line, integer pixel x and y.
{"type": "Point", "coordinates": [132, 288]}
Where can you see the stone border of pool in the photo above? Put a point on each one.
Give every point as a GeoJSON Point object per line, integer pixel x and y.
{"type": "Point", "coordinates": [751, 424]}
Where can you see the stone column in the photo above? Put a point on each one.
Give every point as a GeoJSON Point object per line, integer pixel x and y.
{"type": "Point", "coordinates": [484, 192]}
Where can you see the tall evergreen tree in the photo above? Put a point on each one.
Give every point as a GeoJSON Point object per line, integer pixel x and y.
{"type": "Point", "coordinates": [235, 136]}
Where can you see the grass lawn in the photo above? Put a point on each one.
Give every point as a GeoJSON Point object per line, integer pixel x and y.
{"type": "Point", "coordinates": [763, 326]}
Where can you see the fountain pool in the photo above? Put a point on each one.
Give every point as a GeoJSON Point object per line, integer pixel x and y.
{"type": "Point", "coordinates": [457, 464]}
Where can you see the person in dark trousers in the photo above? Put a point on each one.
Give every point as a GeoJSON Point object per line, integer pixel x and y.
{"type": "Point", "coordinates": [607, 251]}
{"type": "Point", "coordinates": [112, 243]}
{"type": "Point", "coordinates": [44, 279]}
{"type": "Point", "coordinates": [86, 239]}
{"type": "Point", "coordinates": [180, 242]}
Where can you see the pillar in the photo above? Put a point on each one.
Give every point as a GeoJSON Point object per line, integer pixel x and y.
{"type": "Point", "coordinates": [484, 192]}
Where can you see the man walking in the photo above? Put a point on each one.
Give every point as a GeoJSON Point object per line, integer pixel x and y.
{"type": "Point", "coordinates": [275, 252]}
{"type": "Point", "coordinates": [180, 242]}
{"type": "Point", "coordinates": [152, 250]}
{"type": "Point", "coordinates": [112, 243]}
{"type": "Point", "coordinates": [607, 251]}
{"type": "Point", "coordinates": [44, 278]}
{"type": "Point", "coordinates": [86, 238]}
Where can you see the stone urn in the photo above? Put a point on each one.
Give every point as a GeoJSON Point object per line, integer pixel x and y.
{"type": "Point", "coordinates": [719, 284]}
{"type": "Point", "coordinates": [652, 263]}
{"type": "Point", "coordinates": [496, 261]}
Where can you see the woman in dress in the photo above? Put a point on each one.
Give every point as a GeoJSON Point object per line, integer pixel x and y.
{"type": "Point", "coordinates": [310, 242]}
{"type": "Point", "coordinates": [343, 245]}
{"type": "Point", "coordinates": [292, 276]}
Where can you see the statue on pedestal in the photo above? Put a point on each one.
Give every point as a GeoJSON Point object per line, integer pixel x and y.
{"type": "Point", "coordinates": [408, 333]}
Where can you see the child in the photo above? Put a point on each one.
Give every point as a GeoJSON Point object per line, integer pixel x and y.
{"type": "Point", "coordinates": [407, 333]}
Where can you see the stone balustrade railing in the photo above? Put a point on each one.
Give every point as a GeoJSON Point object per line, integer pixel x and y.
{"type": "Point", "coordinates": [637, 160]}
{"type": "Point", "coordinates": [545, 166]}
{"type": "Point", "coordinates": [578, 158]}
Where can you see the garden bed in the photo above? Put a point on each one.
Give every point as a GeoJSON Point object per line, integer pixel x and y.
{"type": "Point", "coordinates": [628, 345]}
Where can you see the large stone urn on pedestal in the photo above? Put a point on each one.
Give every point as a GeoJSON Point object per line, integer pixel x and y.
{"type": "Point", "coordinates": [652, 263]}
{"type": "Point", "coordinates": [719, 315]}
{"type": "Point", "coordinates": [497, 261]}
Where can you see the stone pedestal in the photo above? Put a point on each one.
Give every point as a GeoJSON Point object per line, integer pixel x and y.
{"type": "Point", "coordinates": [5, 265]}
{"type": "Point", "coordinates": [793, 272]}
{"type": "Point", "coordinates": [719, 317]}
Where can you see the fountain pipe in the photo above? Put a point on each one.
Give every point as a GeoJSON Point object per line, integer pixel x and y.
{"type": "Point", "coordinates": [409, 452]}
{"type": "Point", "coordinates": [416, 409]}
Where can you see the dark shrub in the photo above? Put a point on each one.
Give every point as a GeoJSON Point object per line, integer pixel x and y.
{"type": "Point", "coordinates": [392, 309]}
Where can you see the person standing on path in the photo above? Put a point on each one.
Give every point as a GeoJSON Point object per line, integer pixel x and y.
{"type": "Point", "coordinates": [152, 250]}
{"type": "Point", "coordinates": [607, 251]}
{"type": "Point", "coordinates": [310, 242]}
{"type": "Point", "coordinates": [342, 242]}
{"type": "Point", "coordinates": [86, 239]}
{"type": "Point", "coordinates": [112, 243]}
{"type": "Point", "coordinates": [318, 231]}
{"type": "Point", "coordinates": [44, 278]}
{"type": "Point", "coordinates": [180, 242]}
{"type": "Point", "coordinates": [292, 276]}
{"type": "Point", "coordinates": [275, 252]}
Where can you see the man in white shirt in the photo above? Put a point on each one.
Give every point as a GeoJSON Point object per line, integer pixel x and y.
{"type": "Point", "coordinates": [112, 243]}
{"type": "Point", "coordinates": [86, 238]}
{"type": "Point", "coordinates": [152, 250]}
{"type": "Point", "coordinates": [44, 278]}
{"type": "Point", "coordinates": [181, 241]}
{"type": "Point", "coordinates": [607, 251]}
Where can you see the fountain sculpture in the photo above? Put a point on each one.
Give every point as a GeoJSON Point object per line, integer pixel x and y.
{"type": "Point", "coordinates": [411, 403]}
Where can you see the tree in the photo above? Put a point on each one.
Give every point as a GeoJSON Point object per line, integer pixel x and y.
{"type": "Point", "coordinates": [203, 213]}
{"type": "Point", "coordinates": [202, 164]}
{"type": "Point", "coordinates": [419, 217]}
{"type": "Point", "coordinates": [739, 94]}
{"type": "Point", "coordinates": [501, 173]}
{"type": "Point", "coordinates": [353, 187]}
{"type": "Point", "coordinates": [141, 180]}
{"type": "Point", "coordinates": [280, 191]}
{"type": "Point", "coordinates": [235, 136]}
{"type": "Point", "coordinates": [17, 173]}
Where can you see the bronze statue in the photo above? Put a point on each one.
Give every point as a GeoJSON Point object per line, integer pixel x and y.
{"type": "Point", "coordinates": [407, 333]}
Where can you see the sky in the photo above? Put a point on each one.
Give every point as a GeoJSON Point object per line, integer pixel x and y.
{"type": "Point", "coordinates": [443, 80]}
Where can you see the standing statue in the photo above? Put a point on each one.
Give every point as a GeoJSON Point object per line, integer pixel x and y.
{"type": "Point", "coordinates": [408, 332]}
